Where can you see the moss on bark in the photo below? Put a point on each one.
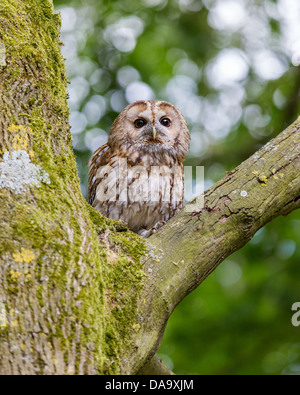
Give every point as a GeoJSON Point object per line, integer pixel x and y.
{"type": "Point", "coordinates": [54, 272]}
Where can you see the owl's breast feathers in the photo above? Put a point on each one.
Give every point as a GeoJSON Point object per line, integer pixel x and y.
{"type": "Point", "coordinates": [137, 187]}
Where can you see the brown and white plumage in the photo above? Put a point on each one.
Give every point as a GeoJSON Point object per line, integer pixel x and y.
{"type": "Point", "coordinates": [137, 177]}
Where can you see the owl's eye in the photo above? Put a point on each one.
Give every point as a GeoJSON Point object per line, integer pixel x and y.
{"type": "Point", "coordinates": [139, 123]}
{"type": "Point", "coordinates": [165, 121]}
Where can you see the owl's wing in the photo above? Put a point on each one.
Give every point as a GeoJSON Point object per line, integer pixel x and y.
{"type": "Point", "coordinates": [99, 158]}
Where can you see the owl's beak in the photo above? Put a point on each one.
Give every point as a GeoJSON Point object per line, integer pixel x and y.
{"type": "Point", "coordinates": [154, 132]}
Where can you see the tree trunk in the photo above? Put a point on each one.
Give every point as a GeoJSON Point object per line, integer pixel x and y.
{"type": "Point", "coordinates": [51, 295]}
{"type": "Point", "coordinates": [81, 294]}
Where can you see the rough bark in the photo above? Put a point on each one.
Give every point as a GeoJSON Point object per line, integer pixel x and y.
{"type": "Point", "coordinates": [48, 251]}
{"type": "Point", "coordinates": [155, 367]}
{"type": "Point", "coordinates": [79, 293]}
{"type": "Point", "coordinates": [64, 292]}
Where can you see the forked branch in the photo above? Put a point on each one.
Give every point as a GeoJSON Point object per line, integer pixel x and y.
{"type": "Point", "coordinates": [194, 242]}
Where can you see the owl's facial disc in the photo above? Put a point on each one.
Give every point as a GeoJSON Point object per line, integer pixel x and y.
{"type": "Point", "coordinates": [152, 131]}
{"type": "Point", "coordinates": [150, 127]}
{"type": "Point", "coordinates": [147, 131]}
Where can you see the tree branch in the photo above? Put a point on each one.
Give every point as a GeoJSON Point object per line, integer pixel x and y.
{"type": "Point", "coordinates": [155, 367]}
{"type": "Point", "coordinates": [194, 242]}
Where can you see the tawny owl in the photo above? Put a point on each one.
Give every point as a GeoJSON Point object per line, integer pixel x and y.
{"type": "Point", "coordinates": [137, 177]}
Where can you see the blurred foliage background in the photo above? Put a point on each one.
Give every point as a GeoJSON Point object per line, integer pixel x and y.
{"type": "Point", "coordinates": [232, 68]}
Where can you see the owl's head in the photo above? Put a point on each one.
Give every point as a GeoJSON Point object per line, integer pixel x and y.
{"type": "Point", "coordinates": [153, 127]}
